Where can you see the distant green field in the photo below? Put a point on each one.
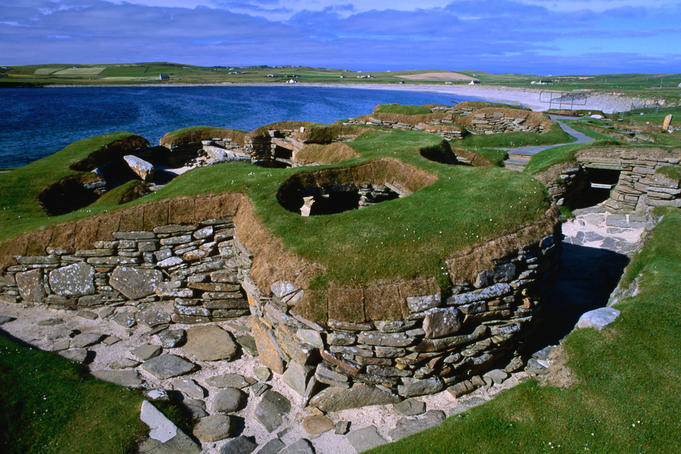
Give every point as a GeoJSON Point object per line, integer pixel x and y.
{"type": "Point", "coordinates": [45, 71]}
{"type": "Point", "coordinates": [87, 71]}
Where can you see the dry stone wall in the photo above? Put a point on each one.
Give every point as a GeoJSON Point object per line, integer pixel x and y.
{"type": "Point", "coordinates": [440, 342]}
{"type": "Point", "coordinates": [640, 185]}
{"type": "Point", "coordinates": [192, 266]}
{"type": "Point", "coordinates": [410, 339]}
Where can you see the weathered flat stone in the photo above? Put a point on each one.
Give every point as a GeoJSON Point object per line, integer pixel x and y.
{"type": "Point", "coordinates": [190, 388]}
{"type": "Point", "coordinates": [87, 314]}
{"type": "Point", "coordinates": [125, 319]}
{"type": "Point", "coordinates": [262, 373]}
{"type": "Point", "coordinates": [135, 283]}
{"type": "Point", "coordinates": [301, 446]}
{"type": "Point", "coordinates": [85, 340]}
{"type": "Point", "coordinates": [421, 303]}
{"type": "Point", "coordinates": [385, 339]}
{"type": "Point", "coordinates": [210, 343]}
{"type": "Point", "coordinates": [153, 317]}
{"type": "Point", "coordinates": [330, 377]}
{"type": "Point", "coordinates": [317, 424]}
{"type": "Point", "coordinates": [145, 352]}
{"type": "Point", "coordinates": [342, 427]}
{"type": "Point", "coordinates": [73, 280]}
{"type": "Point", "coordinates": [142, 168]}
{"type": "Point", "coordinates": [247, 344]}
{"type": "Point", "coordinates": [214, 428]}
{"type": "Point", "coordinates": [229, 400]}
{"type": "Point", "coordinates": [6, 319]}
{"type": "Point", "coordinates": [297, 377]}
{"type": "Point", "coordinates": [271, 410]}
{"type": "Point", "coordinates": [496, 376]}
{"type": "Point", "coordinates": [273, 446]}
{"type": "Point", "coordinates": [30, 285]}
{"type": "Point", "coordinates": [360, 395]}
{"type": "Point", "coordinates": [365, 439]}
{"type": "Point", "coordinates": [50, 321]}
{"type": "Point", "coordinates": [167, 366]}
{"type": "Point", "coordinates": [60, 344]}
{"type": "Point", "coordinates": [441, 322]}
{"type": "Point", "coordinates": [311, 337]}
{"type": "Point", "coordinates": [415, 387]}
{"type": "Point", "coordinates": [260, 388]}
{"type": "Point", "coordinates": [410, 426]}
{"type": "Point", "coordinates": [196, 407]}
{"type": "Point", "coordinates": [598, 318]}
{"type": "Point", "coordinates": [129, 378]}
{"type": "Point", "coordinates": [239, 445]}
{"type": "Point", "coordinates": [124, 363]}
{"type": "Point", "coordinates": [79, 355]}
{"type": "Point", "coordinates": [410, 407]}
{"type": "Point", "coordinates": [268, 348]}
{"type": "Point", "coordinates": [237, 381]}
{"type": "Point", "coordinates": [172, 338]}
{"type": "Point", "coordinates": [161, 428]}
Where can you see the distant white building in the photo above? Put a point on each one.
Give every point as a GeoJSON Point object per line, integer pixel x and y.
{"type": "Point", "coordinates": [163, 77]}
{"type": "Point", "coordinates": [291, 81]}
{"type": "Point", "coordinates": [474, 82]}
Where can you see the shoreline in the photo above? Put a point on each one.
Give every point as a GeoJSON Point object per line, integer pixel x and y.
{"type": "Point", "coordinates": [530, 98]}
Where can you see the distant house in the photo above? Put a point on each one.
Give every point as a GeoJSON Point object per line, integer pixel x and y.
{"type": "Point", "coordinates": [163, 77]}
{"type": "Point", "coordinates": [366, 76]}
{"type": "Point", "coordinates": [291, 81]}
{"type": "Point", "coordinates": [542, 82]}
{"type": "Point", "coordinates": [271, 76]}
{"type": "Point", "coordinates": [474, 82]}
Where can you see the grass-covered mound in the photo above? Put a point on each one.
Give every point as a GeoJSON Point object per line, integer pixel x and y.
{"type": "Point", "coordinates": [195, 134]}
{"type": "Point", "coordinates": [402, 109]}
{"type": "Point", "coordinates": [400, 239]}
{"type": "Point", "coordinates": [20, 189]}
{"type": "Point", "coordinates": [627, 394]}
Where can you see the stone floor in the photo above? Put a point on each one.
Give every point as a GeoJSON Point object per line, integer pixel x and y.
{"type": "Point", "coordinates": [214, 369]}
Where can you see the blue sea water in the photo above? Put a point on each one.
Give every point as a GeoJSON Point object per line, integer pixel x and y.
{"type": "Point", "coordinates": [36, 122]}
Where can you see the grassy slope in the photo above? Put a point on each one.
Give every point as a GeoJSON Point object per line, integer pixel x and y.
{"type": "Point", "coordinates": [628, 394]}
{"type": "Point", "coordinates": [397, 238]}
{"type": "Point", "coordinates": [556, 155]}
{"type": "Point", "coordinates": [51, 405]}
{"type": "Point", "coordinates": [402, 109]}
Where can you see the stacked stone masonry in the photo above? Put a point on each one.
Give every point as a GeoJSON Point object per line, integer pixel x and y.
{"type": "Point", "coordinates": [443, 342]}
{"type": "Point", "coordinates": [201, 271]}
{"type": "Point", "coordinates": [455, 124]}
{"type": "Point", "coordinates": [192, 266]}
{"type": "Point", "coordinates": [640, 185]}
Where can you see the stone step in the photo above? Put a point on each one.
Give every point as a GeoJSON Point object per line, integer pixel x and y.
{"type": "Point", "coordinates": [514, 164]}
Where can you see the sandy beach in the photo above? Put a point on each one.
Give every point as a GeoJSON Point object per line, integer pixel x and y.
{"type": "Point", "coordinates": [534, 99]}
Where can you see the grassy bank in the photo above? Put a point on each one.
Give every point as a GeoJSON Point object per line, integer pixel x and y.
{"type": "Point", "coordinates": [628, 392]}
{"type": "Point", "coordinates": [51, 405]}
{"type": "Point", "coordinates": [396, 239]}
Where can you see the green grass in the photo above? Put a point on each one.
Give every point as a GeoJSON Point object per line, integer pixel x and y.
{"type": "Point", "coordinates": [517, 139]}
{"type": "Point", "coordinates": [51, 405]}
{"type": "Point", "coordinates": [673, 172]}
{"type": "Point", "coordinates": [496, 157]}
{"type": "Point", "coordinates": [402, 109]}
{"type": "Point", "coordinates": [628, 391]}
{"type": "Point", "coordinates": [395, 239]}
{"type": "Point", "coordinates": [556, 155]}
{"type": "Point", "coordinates": [655, 115]}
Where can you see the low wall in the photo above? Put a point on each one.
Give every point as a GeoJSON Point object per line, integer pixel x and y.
{"type": "Point", "coordinates": [340, 348]}
{"type": "Point", "coordinates": [639, 187]}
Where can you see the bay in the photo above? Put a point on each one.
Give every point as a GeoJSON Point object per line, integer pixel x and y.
{"type": "Point", "coordinates": [35, 123]}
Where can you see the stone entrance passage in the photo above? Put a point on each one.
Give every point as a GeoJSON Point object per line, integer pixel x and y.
{"type": "Point", "coordinates": [596, 188]}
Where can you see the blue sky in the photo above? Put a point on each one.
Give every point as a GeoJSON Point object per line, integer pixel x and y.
{"type": "Point", "coordinates": [529, 36]}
